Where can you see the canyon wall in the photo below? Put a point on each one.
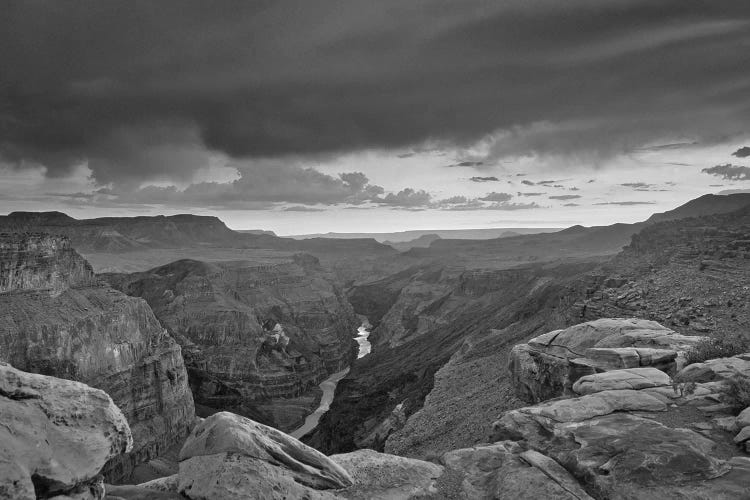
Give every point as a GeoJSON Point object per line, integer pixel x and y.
{"type": "Point", "coordinates": [57, 319]}
{"type": "Point", "coordinates": [257, 338]}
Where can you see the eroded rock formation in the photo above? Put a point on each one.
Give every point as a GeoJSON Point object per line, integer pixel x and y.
{"type": "Point", "coordinates": [55, 437]}
{"type": "Point", "coordinates": [57, 319]}
{"type": "Point", "coordinates": [257, 338]}
{"type": "Point", "coordinates": [548, 365]}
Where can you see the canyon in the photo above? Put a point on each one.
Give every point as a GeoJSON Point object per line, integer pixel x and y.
{"type": "Point", "coordinates": [57, 318]}
{"type": "Point", "coordinates": [462, 335]}
{"type": "Point", "coordinates": [257, 338]}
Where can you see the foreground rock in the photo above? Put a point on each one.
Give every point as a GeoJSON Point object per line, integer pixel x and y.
{"type": "Point", "coordinates": [548, 365]}
{"type": "Point", "coordinates": [636, 433]}
{"type": "Point", "coordinates": [57, 319]}
{"type": "Point", "coordinates": [228, 455]}
{"type": "Point", "coordinates": [55, 437]}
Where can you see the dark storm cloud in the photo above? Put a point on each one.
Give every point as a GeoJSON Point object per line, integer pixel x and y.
{"type": "Point", "coordinates": [494, 196]}
{"type": "Point", "coordinates": [484, 179]}
{"type": "Point", "coordinates": [565, 197]}
{"type": "Point", "coordinates": [258, 186]}
{"type": "Point", "coordinates": [743, 152]}
{"type": "Point", "coordinates": [729, 172]}
{"type": "Point", "coordinates": [148, 90]}
{"type": "Point", "coordinates": [626, 203]}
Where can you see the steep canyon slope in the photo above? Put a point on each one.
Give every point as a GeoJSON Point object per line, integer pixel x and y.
{"type": "Point", "coordinates": [257, 338]}
{"type": "Point", "coordinates": [56, 318]}
{"type": "Point", "coordinates": [443, 332]}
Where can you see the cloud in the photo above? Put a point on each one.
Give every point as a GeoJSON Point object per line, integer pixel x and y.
{"type": "Point", "coordinates": [530, 194]}
{"type": "Point", "coordinates": [565, 197]}
{"type": "Point", "coordinates": [743, 152]}
{"type": "Point", "coordinates": [637, 185]}
{"type": "Point", "coordinates": [151, 91]}
{"type": "Point", "coordinates": [498, 197]}
{"type": "Point", "coordinates": [734, 191]}
{"type": "Point", "coordinates": [406, 198]}
{"type": "Point", "coordinates": [467, 164]}
{"type": "Point", "coordinates": [729, 172]}
{"type": "Point", "coordinates": [528, 183]}
{"type": "Point", "coordinates": [484, 179]}
{"type": "Point", "coordinates": [626, 203]}
{"type": "Point", "coordinates": [258, 186]}
{"type": "Point", "coordinates": [302, 208]}
{"type": "Point", "coordinates": [571, 205]}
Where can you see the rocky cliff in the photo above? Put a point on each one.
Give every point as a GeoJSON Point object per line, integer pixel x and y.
{"type": "Point", "coordinates": [687, 274]}
{"type": "Point", "coordinates": [56, 319]}
{"type": "Point", "coordinates": [257, 338]}
{"type": "Point", "coordinates": [56, 437]}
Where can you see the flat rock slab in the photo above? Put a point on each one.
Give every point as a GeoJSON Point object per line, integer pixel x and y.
{"type": "Point", "coordinates": [379, 475]}
{"type": "Point", "coordinates": [231, 434]}
{"type": "Point", "coordinates": [55, 436]}
{"type": "Point", "coordinates": [716, 370]}
{"type": "Point", "coordinates": [595, 405]}
{"type": "Point", "coordinates": [498, 472]}
{"type": "Point", "coordinates": [632, 378]}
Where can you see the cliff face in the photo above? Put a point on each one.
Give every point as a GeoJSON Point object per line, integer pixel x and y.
{"type": "Point", "coordinates": [57, 320]}
{"type": "Point", "coordinates": [35, 261]}
{"type": "Point", "coordinates": [689, 275]}
{"type": "Point", "coordinates": [253, 335]}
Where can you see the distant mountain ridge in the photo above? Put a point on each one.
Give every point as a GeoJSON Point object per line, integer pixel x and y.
{"type": "Point", "coordinates": [404, 236]}
{"type": "Point", "coordinates": [124, 234]}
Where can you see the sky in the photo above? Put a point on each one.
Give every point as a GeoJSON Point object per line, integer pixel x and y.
{"type": "Point", "coordinates": [361, 116]}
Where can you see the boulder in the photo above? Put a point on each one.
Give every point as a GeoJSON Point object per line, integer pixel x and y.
{"type": "Point", "coordinates": [227, 455]}
{"type": "Point", "coordinates": [548, 365]}
{"type": "Point", "coordinates": [719, 369]}
{"type": "Point", "coordinates": [633, 378]}
{"type": "Point", "coordinates": [379, 475]}
{"type": "Point", "coordinates": [504, 470]}
{"type": "Point", "coordinates": [615, 452]}
{"type": "Point", "coordinates": [55, 437]}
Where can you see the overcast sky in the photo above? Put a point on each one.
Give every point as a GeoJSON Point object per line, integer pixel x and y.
{"type": "Point", "coordinates": [316, 116]}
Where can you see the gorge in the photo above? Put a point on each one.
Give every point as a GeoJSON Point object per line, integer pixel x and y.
{"type": "Point", "coordinates": [410, 362]}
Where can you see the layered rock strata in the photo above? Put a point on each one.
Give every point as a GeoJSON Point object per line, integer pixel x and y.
{"type": "Point", "coordinates": [256, 337]}
{"type": "Point", "coordinates": [548, 365]}
{"type": "Point", "coordinates": [57, 319]}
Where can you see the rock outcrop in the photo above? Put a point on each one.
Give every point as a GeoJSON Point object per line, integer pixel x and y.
{"type": "Point", "coordinates": [55, 437]}
{"type": "Point", "coordinates": [56, 319]}
{"type": "Point", "coordinates": [257, 338]}
{"type": "Point", "coordinates": [548, 365]}
{"type": "Point", "coordinates": [231, 457]}
{"type": "Point", "coordinates": [633, 432]}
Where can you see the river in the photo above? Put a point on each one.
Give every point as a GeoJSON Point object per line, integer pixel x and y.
{"type": "Point", "coordinates": [329, 385]}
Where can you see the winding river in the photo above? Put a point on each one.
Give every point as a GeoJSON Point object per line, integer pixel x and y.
{"type": "Point", "coordinates": [329, 385]}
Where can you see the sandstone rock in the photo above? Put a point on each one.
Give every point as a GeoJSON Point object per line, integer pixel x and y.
{"type": "Point", "coordinates": [234, 441]}
{"type": "Point", "coordinates": [55, 319]}
{"type": "Point", "coordinates": [500, 471]}
{"type": "Point", "coordinates": [633, 378]}
{"type": "Point", "coordinates": [233, 476]}
{"type": "Point", "coordinates": [743, 419]}
{"type": "Point", "coordinates": [716, 369]}
{"type": "Point", "coordinates": [551, 363]}
{"type": "Point", "coordinates": [139, 492]}
{"type": "Point", "coordinates": [55, 437]}
{"type": "Point", "coordinates": [39, 261]}
{"type": "Point", "coordinates": [742, 436]}
{"type": "Point", "coordinates": [379, 475]}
